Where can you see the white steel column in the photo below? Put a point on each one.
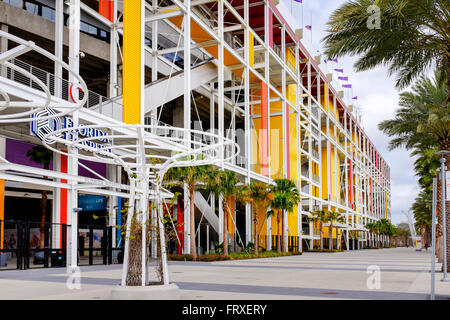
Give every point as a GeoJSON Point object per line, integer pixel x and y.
{"type": "Point", "coordinates": [59, 32]}
{"type": "Point", "coordinates": [285, 132]}
{"type": "Point", "coordinates": [187, 221]}
{"type": "Point", "coordinates": [56, 208]}
{"type": "Point", "coordinates": [114, 37]}
{"type": "Point", "coordinates": [220, 110]}
{"type": "Point", "coordinates": [74, 55]}
{"type": "Point", "coordinates": [187, 115]}
{"type": "Point", "coordinates": [154, 115]}
{"type": "Point", "coordinates": [298, 153]}
{"type": "Point", "coordinates": [220, 78]}
{"type": "Point", "coordinates": [248, 209]}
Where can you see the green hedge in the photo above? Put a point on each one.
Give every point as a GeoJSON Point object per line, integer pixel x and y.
{"type": "Point", "coordinates": [325, 250]}
{"type": "Point", "coordinates": [231, 256]}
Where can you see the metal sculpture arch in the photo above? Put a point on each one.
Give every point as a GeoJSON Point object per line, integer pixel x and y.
{"type": "Point", "coordinates": [145, 152]}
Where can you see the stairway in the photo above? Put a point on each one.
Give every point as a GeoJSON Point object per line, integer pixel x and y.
{"type": "Point", "coordinates": [163, 90]}
{"type": "Point", "coordinates": [206, 210]}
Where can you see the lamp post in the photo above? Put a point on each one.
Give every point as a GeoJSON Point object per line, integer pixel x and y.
{"type": "Point", "coordinates": [443, 201]}
{"type": "Point", "coordinates": [433, 239]}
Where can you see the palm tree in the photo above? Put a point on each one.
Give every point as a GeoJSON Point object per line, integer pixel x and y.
{"type": "Point", "coordinates": [225, 184]}
{"type": "Point", "coordinates": [372, 227]}
{"type": "Point", "coordinates": [423, 123]}
{"type": "Point", "coordinates": [44, 157]}
{"type": "Point", "coordinates": [260, 197]}
{"type": "Point", "coordinates": [418, 107]}
{"type": "Point", "coordinates": [319, 217]}
{"type": "Point", "coordinates": [191, 176]}
{"type": "Point", "coordinates": [422, 213]}
{"type": "Point", "coordinates": [413, 36]}
{"type": "Point", "coordinates": [426, 166]}
{"type": "Point", "coordinates": [285, 197]}
{"type": "Point", "coordinates": [378, 231]}
{"type": "Point", "coordinates": [334, 217]}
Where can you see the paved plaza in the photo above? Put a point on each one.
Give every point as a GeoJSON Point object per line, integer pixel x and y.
{"type": "Point", "coordinates": [404, 274]}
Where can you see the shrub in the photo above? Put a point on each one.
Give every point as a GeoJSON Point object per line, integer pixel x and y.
{"type": "Point", "coordinates": [325, 250]}
{"type": "Point", "coordinates": [232, 256]}
{"type": "Point", "coordinates": [180, 257]}
{"type": "Point", "coordinates": [212, 257]}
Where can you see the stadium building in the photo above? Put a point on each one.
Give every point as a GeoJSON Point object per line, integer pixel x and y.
{"type": "Point", "coordinates": [235, 68]}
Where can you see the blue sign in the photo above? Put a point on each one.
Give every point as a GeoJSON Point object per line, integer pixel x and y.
{"type": "Point", "coordinates": [89, 202]}
{"type": "Point", "coordinates": [41, 128]}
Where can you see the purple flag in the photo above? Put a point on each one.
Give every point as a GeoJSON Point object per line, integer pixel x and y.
{"type": "Point", "coordinates": [346, 86]}
{"type": "Point", "coordinates": [339, 70]}
{"type": "Point", "coordinates": [301, 1]}
{"type": "Point", "coordinates": [355, 98]}
{"type": "Point", "coordinates": [343, 78]}
{"type": "Point", "coordinates": [335, 60]}
{"type": "Point", "coordinates": [309, 27]}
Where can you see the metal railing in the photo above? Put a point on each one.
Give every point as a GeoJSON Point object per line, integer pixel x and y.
{"type": "Point", "coordinates": [316, 178]}
{"type": "Point", "coordinates": [60, 88]}
{"type": "Point", "coordinates": [315, 154]}
{"type": "Point", "coordinates": [315, 132]}
{"type": "Point", "coordinates": [315, 112]}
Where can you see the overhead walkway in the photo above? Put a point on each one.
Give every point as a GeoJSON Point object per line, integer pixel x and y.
{"type": "Point", "coordinates": [163, 90]}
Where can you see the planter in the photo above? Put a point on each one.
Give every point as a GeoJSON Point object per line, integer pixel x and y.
{"type": "Point", "coordinates": [155, 292]}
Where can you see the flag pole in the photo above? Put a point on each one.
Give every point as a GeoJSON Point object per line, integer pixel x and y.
{"type": "Point", "coordinates": [303, 22]}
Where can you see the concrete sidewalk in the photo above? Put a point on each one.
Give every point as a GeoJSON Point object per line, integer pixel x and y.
{"type": "Point", "coordinates": [404, 274]}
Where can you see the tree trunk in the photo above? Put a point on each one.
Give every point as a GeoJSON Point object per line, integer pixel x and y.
{"type": "Point", "coordinates": [192, 221]}
{"type": "Point", "coordinates": [331, 236]}
{"type": "Point", "coordinates": [278, 233]}
{"type": "Point", "coordinates": [255, 228]}
{"type": "Point", "coordinates": [225, 228]}
{"type": "Point", "coordinates": [447, 101]}
{"type": "Point", "coordinates": [134, 273]}
{"type": "Point", "coordinates": [283, 222]}
{"type": "Point", "coordinates": [321, 235]}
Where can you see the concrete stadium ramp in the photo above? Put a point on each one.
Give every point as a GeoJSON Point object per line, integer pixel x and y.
{"type": "Point", "coordinates": [206, 210]}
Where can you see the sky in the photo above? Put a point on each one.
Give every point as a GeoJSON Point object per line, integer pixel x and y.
{"type": "Point", "coordinates": [377, 97]}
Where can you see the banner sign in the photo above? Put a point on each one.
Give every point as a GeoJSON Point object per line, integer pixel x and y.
{"type": "Point", "coordinates": [92, 202]}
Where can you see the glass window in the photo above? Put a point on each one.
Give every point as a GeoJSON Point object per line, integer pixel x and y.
{"type": "Point", "coordinates": [16, 3]}
{"type": "Point", "coordinates": [93, 30]}
{"type": "Point", "coordinates": [32, 8]}
{"type": "Point", "coordinates": [84, 27]}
